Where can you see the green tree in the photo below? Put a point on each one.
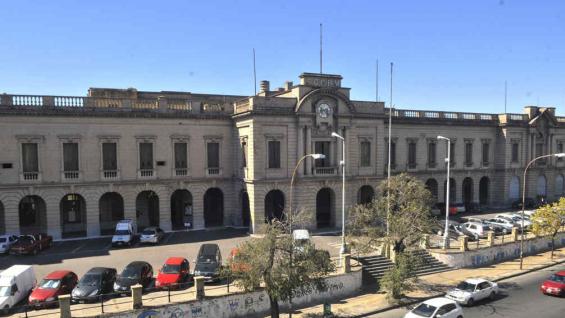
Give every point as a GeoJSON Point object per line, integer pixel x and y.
{"type": "Point", "coordinates": [548, 220]}
{"type": "Point", "coordinates": [408, 221]}
{"type": "Point", "coordinates": [274, 262]}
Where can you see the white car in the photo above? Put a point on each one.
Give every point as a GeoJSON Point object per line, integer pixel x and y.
{"type": "Point", "coordinates": [6, 241]}
{"type": "Point", "coordinates": [436, 307]}
{"type": "Point", "coordinates": [517, 219]}
{"type": "Point", "coordinates": [152, 235]}
{"type": "Point", "coordinates": [479, 230]}
{"type": "Point", "coordinates": [506, 224]}
{"type": "Point", "coordinates": [472, 290]}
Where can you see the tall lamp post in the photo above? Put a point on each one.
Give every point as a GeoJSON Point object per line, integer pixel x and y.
{"type": "Point", "coordinates": [448, 161]}
{"type": "Point", "coordinates": [558, 155]}
{"type": "Point", "coordinates": [342, 164]}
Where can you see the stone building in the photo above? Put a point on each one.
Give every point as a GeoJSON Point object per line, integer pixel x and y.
{"type": "Point", "coordinates": [74, 166]}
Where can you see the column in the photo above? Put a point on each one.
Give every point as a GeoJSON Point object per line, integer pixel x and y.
{"type": "Point", "coordinates": [92, 215]}
{"type": "Point", "coordinates": [53, 215]}
{"type": "Point", "coordinates": [299, 150]}
{"type": "Point", "coordinates": [308, 150]}
{"type": "Point", "coordinates": [165, 209]}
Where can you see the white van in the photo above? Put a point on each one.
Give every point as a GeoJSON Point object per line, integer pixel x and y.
{"type": "Point", "coordinates": [301, 240]}
{"type": "Point", "coordinates": [16, 283]}
{"type": "Point", "coordinates": [125, 233]}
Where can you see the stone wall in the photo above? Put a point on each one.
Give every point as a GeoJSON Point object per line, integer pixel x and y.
{"type": "Point", "coordinates": [499, 253]}
{"type": "Point", "coordinates": [254, 304]}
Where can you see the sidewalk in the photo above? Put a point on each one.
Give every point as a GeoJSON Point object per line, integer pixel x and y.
{"type": "Point", "coordinates": [435, 285]}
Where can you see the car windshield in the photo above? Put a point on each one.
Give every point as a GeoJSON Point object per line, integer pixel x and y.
{"type": "Point", "coordinates": [170, 269]}
{"type": "Point", "coordinates": [206, 258]}
{"type": "Point", "coordinates": [557, 278]}
{"type": "Point", "coordinates": [122, 232]}
{"type": "Point", "coordinates": [466, 286]}
{"type": "Point", "coordinates": [25, 239]}
{"type": "Point", "coordinates": [2, 239]}
{"type": "Point", "coordinates": [50, 283]}
{"type": "Point", "coordinates": [90, 280]}
{"type": "Point", "coordinates": [130, 272]}
{"type": "Point", "coordinates": [424, 310]}
{"type": "Point", "coordinates": [4, 291]}
{"type": "Point", "coordinates": [148, 232]}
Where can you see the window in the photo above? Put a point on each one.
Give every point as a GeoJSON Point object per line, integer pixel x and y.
{"type": "Point", "coordinates": [70, 156]}
{"type": "Point", "coordinates": [468, 154]}
{"type": "Point", "coordinates": [274, 154]}
{"type": "Point", "coordinates": [515, 151]}
{"type": "Point", "coordinates": [559, 150]}
{"type": "Point", "coordinates": [244, 154]}
{"type": "Point", "coordinates": [322, 147]}
{"type": "Point", "coordinates": [181, 155]}
{"type": "Point", "coordinates": [146, 156]}
{"type": "Point", "coordinates": [452, 154]}
{"type": "Point", "coordinates": [539, 152]}
{"type": "Point", "coordinates": [411, 154]}
{"type": "Point", "coordinates": [30, 159]}
{"type": "Point", "coordinates": [486, 149]}
{"type": "Point", "coordinates": [213, 154]}
{"type": "Point", "coordinates": [431, 154]}
{"type": "Point", "coordinates": [109, 156]}
{"type": "Point", "coordinates": [365, 154]}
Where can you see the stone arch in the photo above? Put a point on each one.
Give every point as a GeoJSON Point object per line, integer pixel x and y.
{"type": "Point", "coordinates": [245, 209]}
{"type": "Point", "coordinates": [559, 185]}
{"type": "Point", "coordinates": [484, 191]}
{"type": "Point", "coordinates": [541, 186]}
{"type": "Point", "coordinates": [147, 209]}
{"type": "Point", "coordinates": [73, 215]}
{"type": "Point", "coordinates": [213, 207]}
{"type": "Point", "coordinates": [32, 214]}
{"type": "Point", "coordinates": [274, 205]}
{"type": "Point", "coordinates": [2, 219]}
{"type": "Point", "coordinates": [514, 188]}
{"type": "Point", "coordinates": [111, 211]}
{"type": "Point", "coordinates": [467, 190]}
{"type": "Point", "coordinates": [329, 92]}
{"type": "Point", "coordinates": [365, 194]}
{"type": "Point", "coordinates": [325, 208]}
{"type": "Point", "coordinates": [432, 186]}
{"type": "Point", "coordinates": [181, 209]}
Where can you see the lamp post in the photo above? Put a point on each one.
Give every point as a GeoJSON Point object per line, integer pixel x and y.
{"type": "Point", "coordinates": [342, 164]}
{"type": "Point", "coordinates": [558, 155]}
{"type": "Point", "coordinates": [448, 161]}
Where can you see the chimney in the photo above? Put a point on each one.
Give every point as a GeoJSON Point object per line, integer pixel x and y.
{"type": "Point", "coordinates": [287, 85]}
{"type": "Point", "coordinates": [264, 87]}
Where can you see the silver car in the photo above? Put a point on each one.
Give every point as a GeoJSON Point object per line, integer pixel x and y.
{"type": "Point", "coordinates": [152, 235]}
{"type": "Point", "coordinates": [472, 290]}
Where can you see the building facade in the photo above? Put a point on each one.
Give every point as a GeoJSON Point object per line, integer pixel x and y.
{"type": "Point", "coordinates": [74, 166]}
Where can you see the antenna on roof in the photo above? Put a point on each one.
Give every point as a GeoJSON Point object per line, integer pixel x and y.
{"type": "Point", "coordinates": [505, 95]}
{"type": "Point", "coordinates": [320, 48]}
{"type": "Point", "coordinates": [254, 73]}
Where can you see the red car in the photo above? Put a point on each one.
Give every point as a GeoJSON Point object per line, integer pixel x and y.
{"type": "Point", "coordinates": [55, 284]}
{"type": "Point", "coordinates": [31, 244]}
{"type": "Point", "coordinates": [555, 285]}
{"type": "Point", "coordinates": [176, 270]}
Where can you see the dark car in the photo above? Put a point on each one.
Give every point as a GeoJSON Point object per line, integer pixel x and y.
{"type": "Point", "coordinates": [529, 203]}
{"type": "Point", "coordinates": [31, 244]}
{"type": "Point", "coordinates": [134, 273]}
{"type": "Point", "coordinates": [96, 282]}
{"type": "Point", "coordinates": [208, 262]}
{"type": "Point", "coordinates": [51, 286]}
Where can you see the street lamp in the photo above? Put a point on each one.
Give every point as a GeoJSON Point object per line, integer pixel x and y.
{"type": "Point", "coordinates": [314, 156]}
{"type": "Point", "coordinates": [447, 160]}
{"type": "Point", "coordinates": [342, 163]}
{"type": "Point", "coordinates": [557, 155]}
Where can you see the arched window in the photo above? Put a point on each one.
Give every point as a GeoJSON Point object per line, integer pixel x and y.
{"type": "Point", "coordinates": [559, 185]}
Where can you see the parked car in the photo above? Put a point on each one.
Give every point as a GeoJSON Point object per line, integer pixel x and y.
{"type": "Point", "coordinates": [517, 219]}
{"type": "Point", "coordinates": [16, 283]}
{"type": "Point", "coordinates": [174, 272]}
{"type": "Point", "coordinates": [506, 224]}
{"type": "Point", "coordinates": [436, 307]}
{"type": "Point", "coordinates": [125, 233]}
{"type": "Point", "coordinates": [134, 273]}
{"type": "Point", "coordinates": [51, 286]}
{"type": "Point", "coordinates": [152, 235]}
{"type": "Point", "coordinates": [302, 240]}
{"type": "Point", "coordinates": [530, 204]}
{"type": "Point", "coordinates": [554, 285]}
{"type": "Point", "coordinates": [6, 241]}
{"type": "Point", "coordinates": [472, 290]}
{"type": "Point", "coordinates": [96, 282]}
{"type": "Point", "coordinates": [208, 262]}
{"type": "Point", "coordinates": [31, 244]}
{"type": "Point", "coordinates": [457, 208]}
{"type": "Point", "coordinates": [478, 230]}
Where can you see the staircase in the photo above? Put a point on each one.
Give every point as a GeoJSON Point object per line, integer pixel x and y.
{"type": "Point", "coordinates": [374, 267]}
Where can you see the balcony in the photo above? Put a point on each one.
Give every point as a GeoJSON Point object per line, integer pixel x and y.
{"type": "Point", "coordinates": [213, 171]}
{"type": "Point", "coordinates": [180, 172]}
{"type": "Point", "coordinates": [30, 177]}
{"type": "Point", "coordinates": [110, 175]}
{"type": "Point", "coordinates": [325, 171]}
{"type": "Point", "coordinates": [70, 175]}
{"type": "Point", "coordinates": [146, 173]}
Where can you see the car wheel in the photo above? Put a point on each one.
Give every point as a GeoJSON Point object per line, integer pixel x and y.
{"type": "Point", "coordinates": [470, 302]}
{"type": "Point", "coordinates": [492, 296]}
{"type": "Point", "coordinates": [459, 316]}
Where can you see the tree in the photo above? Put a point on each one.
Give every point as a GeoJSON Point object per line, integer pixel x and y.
{"type": "Point", "coordinates": [408, 221]}
{"type": "Point", "coordinates": [548, 220]}
{"type": "Point", "coordinates": [275, 262]}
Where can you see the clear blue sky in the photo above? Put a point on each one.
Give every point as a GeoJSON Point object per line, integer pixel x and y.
{"type": "Point", "coordinates": [448, 55]}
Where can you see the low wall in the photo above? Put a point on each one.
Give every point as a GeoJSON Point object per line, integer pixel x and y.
{"type": "Point", "coordinates": [254, 304]}
{"type": "Point", "coordinates": [498, 253]}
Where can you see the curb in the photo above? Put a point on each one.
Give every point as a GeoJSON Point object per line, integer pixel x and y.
{"type": "Point", "coordinates": [380, 310]}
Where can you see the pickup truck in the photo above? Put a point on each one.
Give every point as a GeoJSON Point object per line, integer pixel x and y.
{"type": "Point", "coordinates": [31, 244]}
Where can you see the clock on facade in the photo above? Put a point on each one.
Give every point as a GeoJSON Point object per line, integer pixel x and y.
{"type": "Point", "coordinates": [324, 110]}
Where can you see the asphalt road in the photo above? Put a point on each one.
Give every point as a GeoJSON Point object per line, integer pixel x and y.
{"type": "Point", "coordinates": [520, 298]}
{"type": "Point", "coordinates": [81, 255]}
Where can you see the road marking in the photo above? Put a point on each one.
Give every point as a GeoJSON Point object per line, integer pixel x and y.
{"type": "Point", "coordinates": [78, 248]}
